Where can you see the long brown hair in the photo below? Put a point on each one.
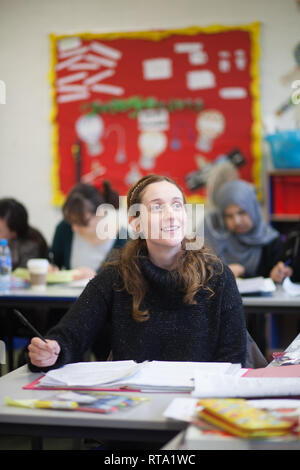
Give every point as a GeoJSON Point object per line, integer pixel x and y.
{"type": "Point", "coordinates": [194, 267]}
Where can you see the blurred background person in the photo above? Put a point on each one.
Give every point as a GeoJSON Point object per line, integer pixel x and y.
{"type": "Point", "coordinates": [25, 242]}
{"type": "Point", "coordinates": [76, 244]}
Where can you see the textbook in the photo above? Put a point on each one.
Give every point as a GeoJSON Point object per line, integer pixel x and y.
{"type": "Point", "coordinates": [119, 375]}
{"type": "Point", "coordinates": [92, 402]}
{"type": "Point", "coordinates": [241, 419]}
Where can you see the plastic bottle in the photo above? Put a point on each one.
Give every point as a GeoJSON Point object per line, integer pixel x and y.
{"type": "Point", "coordinates": [5, 266]}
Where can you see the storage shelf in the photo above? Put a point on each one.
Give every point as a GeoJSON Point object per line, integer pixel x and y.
{"type": "Point", "coordinates": [284, 172]}
{"type": "Point", "coordinates": [285, 217]}
{"type": "Point", "coordinates": [279, 186]}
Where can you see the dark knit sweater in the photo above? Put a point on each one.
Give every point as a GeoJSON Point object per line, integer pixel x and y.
{"type": "Point", "coordinates": [213, 330]}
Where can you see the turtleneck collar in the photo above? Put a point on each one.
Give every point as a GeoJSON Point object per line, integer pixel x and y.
{"type": "Point", "coordinates": [157, 276]}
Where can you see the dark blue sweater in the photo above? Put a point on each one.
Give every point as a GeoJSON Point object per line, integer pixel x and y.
{"type": "Point", "coordinates": [211, 330]}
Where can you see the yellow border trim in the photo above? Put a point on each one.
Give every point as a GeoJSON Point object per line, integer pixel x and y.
{"type": "Point", "coordinates": [253, 29]}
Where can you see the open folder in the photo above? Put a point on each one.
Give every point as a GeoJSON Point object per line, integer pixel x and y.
{"type": "Point", "coordinates": [118, 375]}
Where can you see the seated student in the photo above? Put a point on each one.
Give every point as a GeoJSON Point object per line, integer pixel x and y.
{"type": "Point", "coordinates": [164, 301]}
{"type": "Point", "coordinates": [292, 253]}
{"type": "Point", "coordinates": [238, 234]}
{"type": "Point", "coordinates": [25, 242]}
{"type": "Point", "coordinates": [76, 244]}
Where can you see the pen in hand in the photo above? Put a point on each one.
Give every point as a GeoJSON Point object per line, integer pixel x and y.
{"type": "Point", "coordinates": [30, 326]}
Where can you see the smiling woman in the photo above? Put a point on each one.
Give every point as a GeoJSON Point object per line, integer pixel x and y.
{"type": "Point", "coordinates": [162, 300]}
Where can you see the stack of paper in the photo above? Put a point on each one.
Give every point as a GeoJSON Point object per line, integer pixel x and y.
{"type": "Point", "coordinates": [88, 374]}
{"type": "Point", "coordinates": [265, 382]}
{"type": "Point", "coordinates": [290, 287]}
{"type": "Point", "coordinates": [255, 285]}
{"type": "Point", "coordinates": [146, 376]}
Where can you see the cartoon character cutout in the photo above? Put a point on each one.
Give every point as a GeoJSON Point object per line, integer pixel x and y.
{"type": "Point", "coordinates": [152, 140]}
{"type": "Point", "coordinates": [90, 129]}
{"type": "Point", "coordinates": [210, 124]}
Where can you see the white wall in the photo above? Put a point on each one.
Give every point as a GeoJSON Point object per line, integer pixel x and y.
{"type": "Point", "coordinates": [25, 150]}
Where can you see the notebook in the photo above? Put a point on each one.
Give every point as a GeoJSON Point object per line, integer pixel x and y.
{"type": "Point", "coordinates": [118, 375]}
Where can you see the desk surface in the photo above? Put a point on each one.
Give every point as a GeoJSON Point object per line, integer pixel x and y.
{"type": "Point", "coordinates": [145, 421]}
{"type": "Point", "coordinates": [51, 292]}
{"type": "Point", "coordinates": [277, 299]}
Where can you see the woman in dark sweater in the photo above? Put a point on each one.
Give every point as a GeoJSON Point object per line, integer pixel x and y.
{"type": "Point", "coordinates": [164, 301]}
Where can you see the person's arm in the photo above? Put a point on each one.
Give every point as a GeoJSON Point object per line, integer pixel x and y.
{"type": "Point", "coordinates": [61, 245]}
{"type": "Point", "coordinates": [237, 269]}
{"type": "Point", "coordinates": [272, 254]}
{"type": "Point", "coordinates": [232, 332]}
{"type": "Point", "coordinates": [79, 327]}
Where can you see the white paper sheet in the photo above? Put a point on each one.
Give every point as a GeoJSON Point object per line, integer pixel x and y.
{"type": "Point", "coordinates": [222, 385]}
{"type": "Point", "coordinates": [255, 284]}
{"type": "Point", "coordinates": [182, 409]}
{"type": "Point", "coordinates": [291, 287]}
{"type": "Point", "coordinates": [90, 373]}
{"type": "Point", "coordinates": [152, 376]}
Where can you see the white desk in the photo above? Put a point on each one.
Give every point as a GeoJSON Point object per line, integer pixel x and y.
{"type": "Point", "coordinates": [54, 296]}
{"type": "Point", "coordinates": [279, 302]}
{"type": "Point", "coordinates": [194, 438]}
{"type": "Point", "coordinates": [142, 423]}
{"type": "Point", "coordinates": [62, 297]}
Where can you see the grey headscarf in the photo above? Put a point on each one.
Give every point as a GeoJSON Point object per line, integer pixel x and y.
{"type": "Point", "coordinates": [244, 249]}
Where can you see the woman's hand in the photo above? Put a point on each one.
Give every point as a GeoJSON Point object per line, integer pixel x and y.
{"type": "Point", "coordinates": [52, 268]}
{"type": "Point", "coordinates": [237, 269]}
{"type": "Point", "coordinates": [43, 354]}
{"type": "Point", "coordinates": [84, 273]}
{"type": "Point", "coordinates": [280, 272]}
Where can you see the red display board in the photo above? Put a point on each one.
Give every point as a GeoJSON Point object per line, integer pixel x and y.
{"type": "Point", "coordinates": [167, 102]}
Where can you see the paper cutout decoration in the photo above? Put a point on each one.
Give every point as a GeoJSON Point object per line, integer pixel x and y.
{"type": "Point", "coordinates": [126, 104]}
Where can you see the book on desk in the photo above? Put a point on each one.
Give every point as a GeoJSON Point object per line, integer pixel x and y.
{"type": "Point", "coordinates": [156, 376]}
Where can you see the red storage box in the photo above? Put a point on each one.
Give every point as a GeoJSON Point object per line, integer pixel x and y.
{"type": "Point", "coordinates": [286, 194]}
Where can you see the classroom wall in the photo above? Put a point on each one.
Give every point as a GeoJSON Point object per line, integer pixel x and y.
{"type": "Point", "coordinates": [25, 150]}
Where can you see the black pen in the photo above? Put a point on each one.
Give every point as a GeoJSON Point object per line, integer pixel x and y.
{"type": "Point", "coordinates": [30, 326]}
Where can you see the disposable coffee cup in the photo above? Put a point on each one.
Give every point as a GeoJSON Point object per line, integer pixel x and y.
{"type": "Point", "coordinates": [38, 270]}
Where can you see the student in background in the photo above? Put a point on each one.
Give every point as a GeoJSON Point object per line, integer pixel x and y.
{"type": "Point", "coordinates": [163, 300]}
{"type": "Point", "coordinates": [25, 242]}
{"type": "Point", "coordinates": [76, 244]}
{"type": "Point", "coordinates": [238, 234]}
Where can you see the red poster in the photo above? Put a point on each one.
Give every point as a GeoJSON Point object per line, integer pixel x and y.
{"type": "Point", "coordinates": [166, 102]}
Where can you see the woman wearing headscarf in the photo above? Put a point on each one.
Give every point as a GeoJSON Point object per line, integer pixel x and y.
{"type": "Point", "coordinates": [239, 235]}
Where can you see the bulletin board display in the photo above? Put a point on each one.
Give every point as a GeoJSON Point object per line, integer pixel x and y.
{"type": "Point", "coordinates": [172, 102]}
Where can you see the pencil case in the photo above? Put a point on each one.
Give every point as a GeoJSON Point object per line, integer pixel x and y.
{"type": "Point", "coordinates": [240, 419]}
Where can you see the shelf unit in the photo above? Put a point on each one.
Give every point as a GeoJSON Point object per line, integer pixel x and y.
{"type": "Point", "coordinates": [284, 222]}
